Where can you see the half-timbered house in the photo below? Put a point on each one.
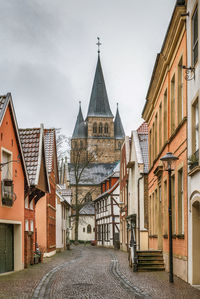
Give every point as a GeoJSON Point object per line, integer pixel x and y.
{"type": "Point", "coordinates": [107, 211]}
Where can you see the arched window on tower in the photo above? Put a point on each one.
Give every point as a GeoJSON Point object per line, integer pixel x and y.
{"type": "Point", "coordinates": [81, 144]}
{"type": "Point", "coordinates": [75, 145]}
{"type": "Point", "coordinates": [119, 145]}
{"type": "Point", "coordinates": [89, 229]}
{"type": "Point", "coordinates": [100, 128]}
{"type": "Point", "coordinates": [95, 128]}
{"type": "Point", "coordinates": [106, 128]}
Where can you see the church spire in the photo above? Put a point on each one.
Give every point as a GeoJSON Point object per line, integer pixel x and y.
{"type": "Point", "coordinates": [118, 127]}
{"type": "Point", "coordinates": [99, 104]}
{"type": "Point", "coordinates": [80, 130]}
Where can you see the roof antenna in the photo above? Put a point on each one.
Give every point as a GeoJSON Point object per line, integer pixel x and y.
{"type": "Point", "coordinates": [98, 44]}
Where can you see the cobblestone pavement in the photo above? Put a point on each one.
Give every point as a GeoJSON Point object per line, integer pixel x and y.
{"type": "Point", "coordinates": [91, 272]}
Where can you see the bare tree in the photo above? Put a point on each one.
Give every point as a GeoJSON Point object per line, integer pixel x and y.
{"type": "Point", "coordinates": [81, 159]}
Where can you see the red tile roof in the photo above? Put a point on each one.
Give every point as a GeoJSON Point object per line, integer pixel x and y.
{"type": "Point", "coordinates": [49, 143]}
{"type": "Point", "coordinates": [30, 143]}
{"type": "Point", "coordinates": [143, 129]}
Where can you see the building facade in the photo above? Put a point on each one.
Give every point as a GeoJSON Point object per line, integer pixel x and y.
{"type": "Point", "coordinates": [34, 153]}
{"type": "Point", "coordinates": [124, 158]}
{"type": "Point", "coordinates": [107, 212]}
{"type": "Point", "coordinates": [46, 207]}
{"type": "Point", "coordinates": [138, 187]}
{"type": "Point", "coordinates": [13, 179]}
{"type": "Point", "coordinates": [193, 94]}
{"type": "Point", "coordinates": [165, 112]}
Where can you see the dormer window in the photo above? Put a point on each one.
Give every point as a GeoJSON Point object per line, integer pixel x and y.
{"type": "Point", "coordinates": [95, 128]}
{"type": "Point", "coordinates": [106, 128]}
{"type": "Point", "coordinates": [100, 128]}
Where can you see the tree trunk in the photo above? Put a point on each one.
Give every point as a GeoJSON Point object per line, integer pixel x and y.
{"type": "Point", "coordinates": [77, 215]}
{"type": "Point", "coordinates": [76, 225]}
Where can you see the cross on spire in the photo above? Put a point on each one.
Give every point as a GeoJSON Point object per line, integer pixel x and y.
{"type": "Point", "coordinates": [98, 44]}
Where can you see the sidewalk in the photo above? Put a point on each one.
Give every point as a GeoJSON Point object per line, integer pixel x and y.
{"type": "Point", "coordinates": [156, 284]}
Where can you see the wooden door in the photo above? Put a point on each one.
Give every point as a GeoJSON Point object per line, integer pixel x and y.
{"type": "Point", "coordinates": [6, 248]}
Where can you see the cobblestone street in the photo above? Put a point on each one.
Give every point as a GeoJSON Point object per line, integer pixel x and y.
{"type": "Point", "coordinates": [90, 272]}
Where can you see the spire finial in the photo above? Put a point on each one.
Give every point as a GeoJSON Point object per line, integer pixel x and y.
{"type": "Point", "coordinates": [79, 103]}
{"type": "Point", "coordinates": [117, 104]}
{"type": "Point", "coordinates": [98, 44]}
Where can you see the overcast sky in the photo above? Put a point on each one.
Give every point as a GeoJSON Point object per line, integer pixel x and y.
{"type": "Point", "coordinates": [48, 56]}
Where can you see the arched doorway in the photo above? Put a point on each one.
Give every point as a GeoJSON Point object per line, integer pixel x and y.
{"type": "Point", "coordinates": [196, 241]}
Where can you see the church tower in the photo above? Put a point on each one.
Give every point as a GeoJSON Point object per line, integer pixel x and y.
{"type": "Point", "coordinates": [99, 132]}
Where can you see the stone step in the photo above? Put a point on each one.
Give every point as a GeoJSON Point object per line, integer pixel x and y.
{"type": "Point", "coordinates": [148, 269]}
{"type": "Point", "coordinates": [150, 262]}
{"type": "Point", "coordinates": [150, 257]}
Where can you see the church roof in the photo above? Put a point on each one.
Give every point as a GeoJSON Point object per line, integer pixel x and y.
{"type": "Point", "coordinates": [118, 127]}
{"type": "Point", "coordinates": [93, 174]}
{"type": "Point", "coordinates": [99, 105]}
{"type": "Point", "coordinates": [80, 130]}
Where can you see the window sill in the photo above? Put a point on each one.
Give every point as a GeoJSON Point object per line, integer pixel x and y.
{"type": "Point", "coordinates": [194, 170]}
{"type": "Point", "coordinates": [174, 236]}
{"type": "Point", "coordinates": [180, 236]}
{"type": "Point", "coordinates": [153, 236]}
{"type": "Point", "coordinates": [165, 236]}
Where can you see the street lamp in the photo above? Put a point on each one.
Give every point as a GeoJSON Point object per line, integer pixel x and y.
{"type": "Point", "coordinates": [167, 160]}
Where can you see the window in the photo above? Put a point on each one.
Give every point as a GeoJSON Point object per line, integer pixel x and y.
{"type": "Point", "coordinates": [156, 134]}
{"type": "Point", "coordinates": [94, 229]}
{"type": "Point", "coordinates": [7, 169]}
{"type": "Point", "coordinates": [195, 127]}
{"type": "Point", "coordinates": [195, 36]}
{"type": "Point", "coordinates": [150, 148]}
{"type": "Point", "coordinates": [119, 145]}
{"type": "Point", "coordinates": [26, 226]}
{"type": "Point", "coordinates": [81, 144]}
{"type": "Point", "coordinates": [180, 203]}
{"type": "Point", "coordinates": [7, 182]}
{"type": "Point", "coordinates": [95, 128]}
{"type": "Point", "coordinates": [89, 229]}
{"type": "Point", "coordinates": [83, 229]}
{"type": "Point", "coordinates": [31, 205]}
{"type": "Point", "coordinates": [180, 90]}
{"type": "Point", "coordinates": [165, 116]}
{"type": "Point", "coordinates": [100, 128]}
{"type": "Point", "coordinates": [165, 209]}
{"type": "Point", "coordinates": [173, 205]}
{"type": "Point", "coordinates": [106, 204]}
{"type": "Point", "coordinates": [156, 212]}
{"type": "Point", "coordinates": [153, 142]}
{"type": "Point", "coordinates": [26, 202]}
{"type": "Point", "coordinates": [31, 226]}
{"type": "Point", "coordinates": [106, 128]}
{"type": "Point", "coordinates": [150, 218]}
{"type": "Point", "coordinates": [173, 104]}
{"type": "Point", "coordinates": [153, 214]}
{"type": "Point", "coordinates": [160, 127]}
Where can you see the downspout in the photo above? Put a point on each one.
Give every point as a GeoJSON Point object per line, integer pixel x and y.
{"type": "Point", "coordinates": [127, 213]}
{"type": "Point", "coordinates": [138, 186]}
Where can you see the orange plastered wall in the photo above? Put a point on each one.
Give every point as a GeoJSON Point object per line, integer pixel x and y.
{"type": "Point", "coordinates": [177, 145]}
{"type": "Point", "coordinates": [41, 221]}
{"type": "Point", "coordinates": [8, 141]}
